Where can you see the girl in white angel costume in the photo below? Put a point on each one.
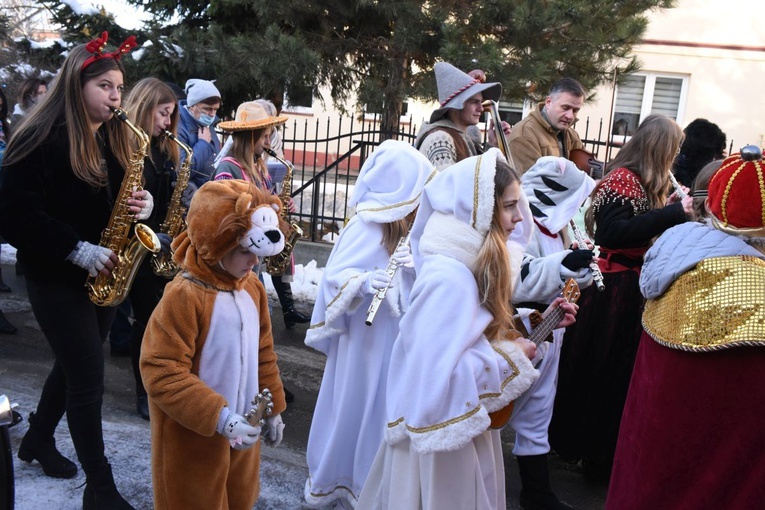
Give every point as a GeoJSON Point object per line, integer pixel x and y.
{"type": "Point", "coordinates": [452, 363]}
{"type": "Point", "coordinates": [349, 419]}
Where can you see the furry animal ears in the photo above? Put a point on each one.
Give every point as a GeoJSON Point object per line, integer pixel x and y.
{"type": "Point", "coordinates": [224, 214]}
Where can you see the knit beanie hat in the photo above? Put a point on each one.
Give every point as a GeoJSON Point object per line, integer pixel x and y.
{"type": "Point", "coordinates": [736, 194]}
{"type": "Point", "coordinates": [198, 90]}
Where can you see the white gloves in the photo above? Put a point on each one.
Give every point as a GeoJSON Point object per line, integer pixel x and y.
{"type": "Point", "coordinates": [91, 257]}
{"type": "Point", "coordinates": [274, 431]}
{"type": "Point", "coordinates": [241, 435]}
{"type": "Point", "coordinates": [403, 255]}
{"type": "Point", "coordinates": [146, 207]}
{"type": "Point", "coordinates": [376, 280]}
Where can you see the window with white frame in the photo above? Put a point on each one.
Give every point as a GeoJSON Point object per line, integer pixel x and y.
{"type": "Point", "coordinates": [642, 94]}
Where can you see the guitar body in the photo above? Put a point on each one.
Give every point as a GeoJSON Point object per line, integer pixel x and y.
{"type": "Point", "coordinates": [500, 418]}
{"type": "Point", "coordinates": [571, 294]}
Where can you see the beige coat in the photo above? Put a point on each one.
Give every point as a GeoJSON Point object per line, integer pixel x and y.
{"type": "Point", "coordinates": [534, 137]}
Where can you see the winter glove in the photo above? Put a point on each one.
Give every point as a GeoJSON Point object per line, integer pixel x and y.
{"type": "Point", "coordinates": [91, 257]}
{"type": "Point", "coordinates": [273, 432]}
{"type": "Point", "coordinates": [577, 259]}
{"type": "Point", "coordinates": [241, 435]}
{"type": "Point", "coordinates": [376, 280]}
{"type": "Point", "coordinates": [188, 192]}
{"type": "Point", "coordinates": [403, 255]}
{"type": "Point", "coordinates": [144, 201]}
{"type": "Point", "coordinates": [164, 243]}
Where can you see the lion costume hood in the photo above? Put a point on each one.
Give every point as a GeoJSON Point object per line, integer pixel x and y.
{"type": "Point", "coordinates": [224, 215]}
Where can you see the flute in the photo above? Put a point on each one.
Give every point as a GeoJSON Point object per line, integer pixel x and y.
{"type": "Point", "coordinates": [680, 193]}
{"type": "Point", "coordinates": [379, 295]}
{"type": "Point", "coordinates": [582, 240]}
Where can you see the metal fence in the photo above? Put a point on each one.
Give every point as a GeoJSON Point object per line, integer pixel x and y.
{"type": "Point", "coordinates": [327, 159]}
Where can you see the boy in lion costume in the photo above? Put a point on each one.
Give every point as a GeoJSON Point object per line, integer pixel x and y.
{"type": "Point", "coordinates": [208, 350]}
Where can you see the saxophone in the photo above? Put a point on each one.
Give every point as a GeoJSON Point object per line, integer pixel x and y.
{"type": "Point", "coordinates": [278, 264]}
{"type": "Point", "coordinates": [174, 223]}
{"type": "Point", "coordinates": [113, 289]}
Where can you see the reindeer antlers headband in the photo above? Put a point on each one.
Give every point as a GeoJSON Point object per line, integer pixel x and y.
{"type": "Point", "coordinates": [96, 47]}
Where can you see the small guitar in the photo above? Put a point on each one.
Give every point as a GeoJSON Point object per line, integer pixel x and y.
{"type": "Point", "coordinates": [571, 294]}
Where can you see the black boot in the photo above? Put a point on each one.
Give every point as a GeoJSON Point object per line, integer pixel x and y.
{"type": "Point", "coordinates": [142, 406]}
{"type": "Point", "coordinates": [43, 449]}
{"type": "Point", "coordinates": [536, 493]}
{"type": "Point", "coordinates": [5, 325]}
{"type": "Point", "coordinates": [3, 286]}
{"type": "Point", "coordinates": [101, 493]}
{"type": "Point", "coordinates": [284, 293]}
{"type": "Point", "coordinates": [292, 317]}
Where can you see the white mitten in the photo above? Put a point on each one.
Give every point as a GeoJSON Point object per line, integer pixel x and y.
{"type": "Point", "coordinates": [376, 280]}
{"type": "Point", "coordinates": [274, 431]}
{"type": "Point", "coordinates": [91, 257]}
{"type": "Point", "coordinates": [239, 432]}
{"type": "Point", "coordinates": [147, 207]}
{"type": "Point", "coordinates": [403, 255]}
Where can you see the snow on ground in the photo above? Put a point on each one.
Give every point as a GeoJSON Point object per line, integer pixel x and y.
{"type": "Point", "coordinates": [128, 440]}
{"type": "Point", "coordinates": [128, 448]}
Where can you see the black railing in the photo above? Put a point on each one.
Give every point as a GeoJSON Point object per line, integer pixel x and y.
{"type": "Point", "coordinates": [327, 160]}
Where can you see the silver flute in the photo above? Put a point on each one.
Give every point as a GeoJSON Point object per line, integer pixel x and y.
{"type": "Point", "coordinates": [379, 295]}
{"type": "Point", "coordinates": [680, 193]}
{"type": "Point", "coordinates": [582, 240]}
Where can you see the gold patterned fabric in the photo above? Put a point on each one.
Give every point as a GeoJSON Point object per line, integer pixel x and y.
{"type": "Point", "coordinates": [717, 305]}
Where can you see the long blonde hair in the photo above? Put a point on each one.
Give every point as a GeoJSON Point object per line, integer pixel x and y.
{"type": "Point", "coordinates": [141, 105]}
{"type": "Point", "coordinates": [64, 104]}
{"type": "Point", "coordinates": [395, 230]}
{"type": "Point", "coordinates": [243, 150]}
{"type": "Point", "coordinates": [492, 270]}
{"type": "Point", "coordinates": [649, 154]}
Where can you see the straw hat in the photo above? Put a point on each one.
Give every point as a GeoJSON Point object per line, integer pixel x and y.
{"type": "Point", "coordinates": [251, 116]}
{"type": "Point", "coordinates": [454, 87]}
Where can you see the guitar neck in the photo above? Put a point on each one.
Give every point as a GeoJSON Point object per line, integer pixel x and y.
{"type": "Point", "coordinates": [547, 325]}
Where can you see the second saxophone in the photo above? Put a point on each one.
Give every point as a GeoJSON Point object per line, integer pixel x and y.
{"type": "Point", "coordinates": [174, 223]}
{"type": "Point", "coordinates": [278, 264]}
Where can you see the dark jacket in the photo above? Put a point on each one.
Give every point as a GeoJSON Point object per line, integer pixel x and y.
{"type": "Point", "coordinates": [45, 210]}
{"type": "Point", "coordinates": [204, 152]}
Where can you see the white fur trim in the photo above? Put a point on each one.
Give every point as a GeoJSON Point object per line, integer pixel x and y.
{"type": "Point", "coordinates": [487, 168]}
{"type": "Point", "coordinates": [451, 436]}
{"type": "Point", "coordinates": [446, 235]}
{"type": "Point", "coordinates": [345, 301]}
{"type": "Point", "coordinates": [515, 385]}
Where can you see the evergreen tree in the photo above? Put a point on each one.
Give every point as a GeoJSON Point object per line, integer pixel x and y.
{"type": "Point", "coordinates": [383, 51]}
